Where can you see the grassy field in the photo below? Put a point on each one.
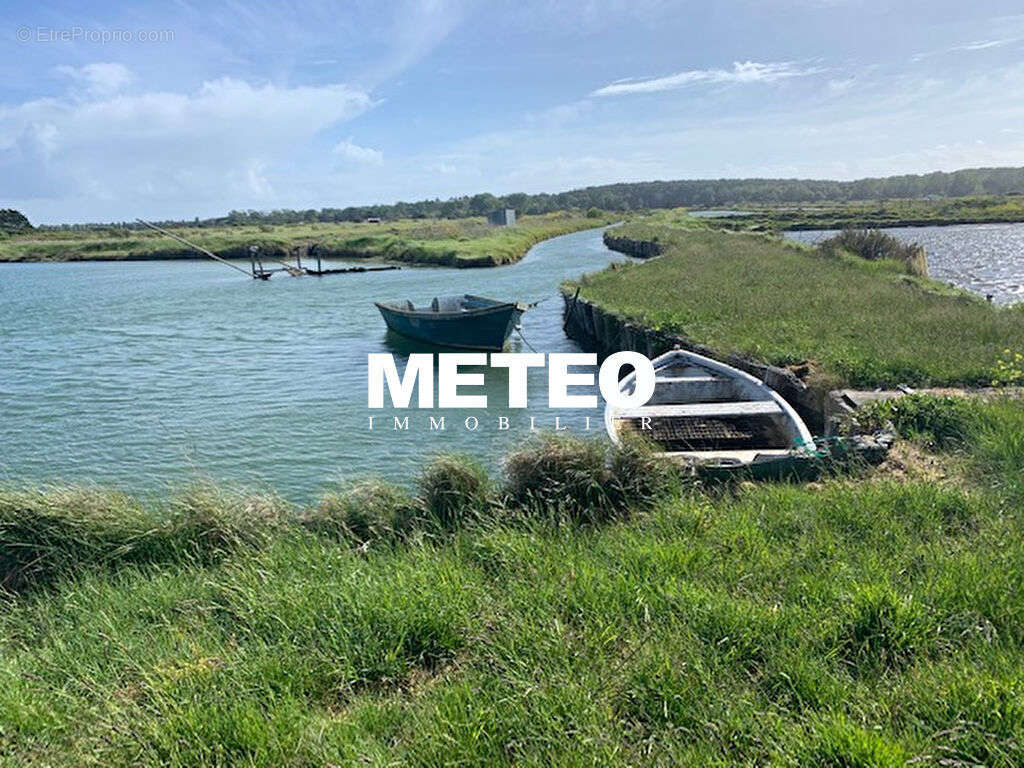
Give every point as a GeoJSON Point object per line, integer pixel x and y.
{"type": "Point", "coordinates": [455, 242]}
{"type": "Point", "coordinates": [861, 323]}
{"type": "Point", "coordinates": [979, 209]}
{"type": "Point", "coordinates": [622, 616]}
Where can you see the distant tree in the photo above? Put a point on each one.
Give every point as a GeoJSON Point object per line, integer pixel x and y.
{"type": "Point", "coordinates": [482, 204]}
{"type": "Point", "coordinates": [13, 222]}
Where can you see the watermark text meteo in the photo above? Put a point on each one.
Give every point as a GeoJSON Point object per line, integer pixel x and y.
{"type": "Point", "coordinates": [419, 377]}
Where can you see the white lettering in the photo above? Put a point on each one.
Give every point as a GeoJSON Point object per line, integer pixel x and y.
{"type": "Point", "coordinates": [449, 379]}
{"type": "Point", "coordinates": [643, 379]}
{"type": "Point", "coordinates": [517, 364]}
{"type": "Point", "coordinates": [420, 367]}
{"type": "Point", "coordinates": [559, 381]}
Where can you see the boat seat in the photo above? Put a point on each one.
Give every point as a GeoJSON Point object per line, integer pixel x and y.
{"type": "Point", "coordinates": [687, 379]}
{"type": "Point", "coordinates": [706, 410]}
{"type": "Point", "coordinates": [446, 304]}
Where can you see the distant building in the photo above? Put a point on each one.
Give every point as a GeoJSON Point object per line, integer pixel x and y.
{"type": "Point", "coordinates": [372, 220]}
{"type": "Point", "coordinates": [503, 217]}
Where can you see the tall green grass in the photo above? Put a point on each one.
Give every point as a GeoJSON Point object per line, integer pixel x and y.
{"type": "Point", "coordinates": [849, 623]}
{"type": "Point", "coordinates": [873, 245]}
{"type": "Point", "coordinates": [859, 323]}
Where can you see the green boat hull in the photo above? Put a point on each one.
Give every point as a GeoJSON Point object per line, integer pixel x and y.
{"type": "Point", "coordinates": [481, 324]}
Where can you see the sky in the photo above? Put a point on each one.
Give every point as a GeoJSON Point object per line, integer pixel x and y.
{"type": "Point", "coordinates": [185, 109]}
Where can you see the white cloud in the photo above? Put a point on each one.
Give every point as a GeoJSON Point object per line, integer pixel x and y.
{"type": "Point", "coordinates": [980, 45]}
{"type": "Point", "coordinates": [220, 142]}
{"type": "Point", "coordinates": [841, 85]}
{"type": "Point", "coordinates": [443, 168]}
{"type": "Point", "coordinates": [977, 45]}
{"type": "Point", "coordinates": [357, 154]}
{"type": "Point", "coordinates": [741, 72]}
{"type": "Point", "coordinates": [101, 78]}
{"type": "Point", "coordinates": [417, 27]}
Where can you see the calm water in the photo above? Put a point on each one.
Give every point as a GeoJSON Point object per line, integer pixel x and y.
{"type": "Point", "coordinates": [984, 258]}
{"type": "Point", "coordinates": [718, 213]}
{"type": "Point", "coordinates": [148, 373]}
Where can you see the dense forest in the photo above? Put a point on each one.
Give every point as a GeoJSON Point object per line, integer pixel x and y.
{"type": "Point", "coordinates": [695, 193]}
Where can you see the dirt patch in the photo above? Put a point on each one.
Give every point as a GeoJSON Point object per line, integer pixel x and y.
{"type": "Point", "coordinates": [910, 461]}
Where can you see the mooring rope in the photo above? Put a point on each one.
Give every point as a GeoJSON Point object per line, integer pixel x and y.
{"type": "Point", "coordinates": [519, 331]}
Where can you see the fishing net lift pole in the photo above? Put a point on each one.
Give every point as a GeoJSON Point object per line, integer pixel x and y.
{"type": "Point", "coordinates": [262, 274]}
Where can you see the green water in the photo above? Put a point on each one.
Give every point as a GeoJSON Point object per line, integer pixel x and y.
{"type": "Point", "coordinates": [142, 375]}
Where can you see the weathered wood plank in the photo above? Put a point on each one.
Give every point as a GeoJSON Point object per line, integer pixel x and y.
{"type": "Point", "coordinates": [742, 408]}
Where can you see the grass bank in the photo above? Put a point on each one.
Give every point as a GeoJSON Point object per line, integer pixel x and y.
{"type": "Point", "coordinates": [857, 322]}
{"type": "Point", "coordinates": [850, 623]}
{"type": "Point", "coordinates": [457, 242]}
{"type": "Point", "coordinates": [875, 214]}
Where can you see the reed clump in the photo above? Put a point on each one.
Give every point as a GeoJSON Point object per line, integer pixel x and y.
{"type": "Point", "coordinates": [873, 245]}
{"type": "Point", "coordinates": [583, 479]}
{"type": "Point", "coordinates": [51, 533]}
{"type": "Point", "coordinates": [366, 511]}
{"type": "Point", "coordinates": [455, 491]}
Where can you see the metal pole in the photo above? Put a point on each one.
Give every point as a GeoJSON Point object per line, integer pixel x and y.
{"type": "Point", "coordinates": [192, 245]}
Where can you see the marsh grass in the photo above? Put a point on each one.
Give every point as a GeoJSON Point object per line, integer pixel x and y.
{"type": "Point", "coordinates": [583, 480]}
{"type": "Point", "coordinates": [859, 323]}
{"type": "Point", "coordinates": [456, 242]}
{"type": "Point", "coordinates": [48, 534]}
{"type": "Point", "coordinates": [366, 511]}
{"type": "Point", "coordinates": [849, 623]}
{"type": "Point", "coordinates": [907, 212]}
{"type": "Point", "coordinates": [456, 492]}
{"type": "Point", "coordinates": [874, 245]}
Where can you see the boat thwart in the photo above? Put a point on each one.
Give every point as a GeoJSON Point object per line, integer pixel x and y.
{"type": "Point", "coordinates": [710, 414]}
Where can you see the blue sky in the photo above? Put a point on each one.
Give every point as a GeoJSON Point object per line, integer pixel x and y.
{"type": "Point", "coordinates": [313, 104]}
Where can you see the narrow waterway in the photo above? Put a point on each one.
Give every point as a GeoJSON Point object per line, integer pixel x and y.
{"type": "Point", "coordinates": [144, 374]}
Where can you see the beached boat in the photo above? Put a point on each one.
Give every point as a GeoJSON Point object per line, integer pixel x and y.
{"type": "Point", "coordinates": [710, 414]}
{"type": "Point", "coordinates": [465, 322]}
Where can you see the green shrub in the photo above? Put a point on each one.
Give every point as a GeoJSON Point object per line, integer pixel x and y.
{"type": "Point", "coordinates": [943, 421]}
{"type": "Point", "coordinates": [639, 477]}
{"type": "Point", "coordinates": [1009, 369]}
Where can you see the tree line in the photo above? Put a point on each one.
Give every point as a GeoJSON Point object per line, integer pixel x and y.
{"type": "Point", "coordinates": [634, 196]}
